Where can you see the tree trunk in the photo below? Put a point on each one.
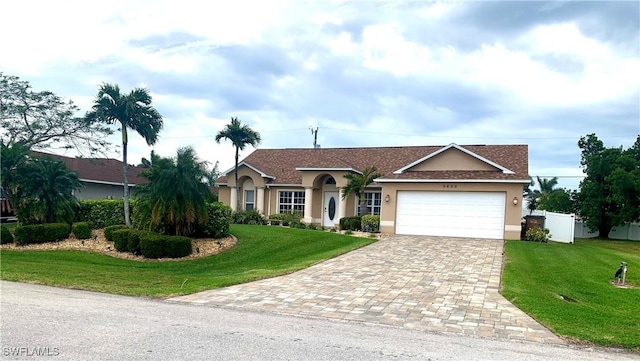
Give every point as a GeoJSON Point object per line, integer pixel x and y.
{"type": "Point", "coordinates": [237, 185]}
{"type": "Point", "coordinates": [363, 208]}
{"type": "Point", "coordinates": [125, 168]}
{"type": "Point", "coordinates": [603, 231]}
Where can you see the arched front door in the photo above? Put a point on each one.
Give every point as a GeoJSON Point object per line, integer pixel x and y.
{"type": "Point", "coordinates": [330, 217]}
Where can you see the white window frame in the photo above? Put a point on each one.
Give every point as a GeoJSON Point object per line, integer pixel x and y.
{"type": "Point", "coordinates": [292, 203]}
{"type": "Point", "coordinates": [251, 202]}
{"type": "Point", "coordinates": [372, 207]}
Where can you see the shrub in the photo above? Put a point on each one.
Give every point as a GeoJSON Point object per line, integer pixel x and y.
{"type": "Point", "coordinates": [177, 246]}
{"type": "Point", "coordinates": [312, 226]}
{"type": "Point", "coordinates": [81, 230]}
{"type": "Point", "coordinates": [217, 223]}
{"type": "Point", "coordinates": [348, 232]}
{"type": "Point", "coordinates": [41, 233]}
{"type": "Point", "coordinates": [5, 236]}
{"type": "Point", "coordinates": [332, 230]}
{"type": "Point", "coordinates": [153, 245]}
{"type": "Point", "coordinates": [370, 223]}
{"type": "Point", "coordinates": [286, 218]}
{"type": "Point", "coordinates": [133, 243]}
{"type": "Point", "coordinates": [297, 224]}
{"type": "Point", "coordinates": [537, 235]}
{"type": "Point", "coordinates": [108, 231]}
{"type": "Point", "coordinates": [121, 239]}
{"type": "Point", "coordinates": [102, 213]}
{"type": "Point", "coordinates": [248, 217]}
{"type": "Point", "coordinates": [351, 223]}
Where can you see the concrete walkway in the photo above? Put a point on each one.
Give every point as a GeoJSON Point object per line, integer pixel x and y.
{"type": "Point", "coordinates": [424, 283]}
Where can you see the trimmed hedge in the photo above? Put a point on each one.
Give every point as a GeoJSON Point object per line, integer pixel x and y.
{"type": "Point", "coordinates": [286, 218]}
{"type": "Point", "coordinates": [351, 223]}
{"type": "Point", "coordinates": [248, 217]}
{"type": "Point", "coordinates": [108, 231]}
{"type": "Point", "coordinates": [159, 246]}
{"type": "Point", "coordinates": [121, 239]}
{"type": "Point", "coordinates": [101, 213]}
{"type": "Point", "coordinates": [372, 221]}
{"type": "Point", "coordinates": [5, 236]}
{"type": "Point", "coordinates": [133, 243]}
{"type": "Point", "coordinates": [41, 233]}
{"type": "Point", "coordinates": [217, 223]}
{"type": "Point", "coordinates": [176, 247]}
{"type": "Point", "coordinates": [81, 230]}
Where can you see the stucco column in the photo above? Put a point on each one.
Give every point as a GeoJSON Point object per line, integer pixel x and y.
{"type": "Point", "coordinates": [260, 200]}
{"type": "Point", "coordinates": [308, 202]}
{"type": "Point", "coordinates": [342, 207]}
{"type": "Point", "coordinates": [234, 198]}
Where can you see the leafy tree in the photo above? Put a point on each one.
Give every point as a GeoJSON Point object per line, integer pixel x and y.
{"type": "Point", "coordinates": [44, 191]}
{"type": "Point", "coordinates": [44, 120]}
{"type": "Point", "coordinates": [610, 193]}
{"type": "Point", "coordinates": [13, 159]}
{"type": "Point", "coordinates": [560, 200]}
{"type": "Point", "coordinates": [357, 185]}
{"type": "Point", "coordinates": [240, 136]}
{"type": "Point", "coordinates": [131, 111]}
{"type": "Point", "coordinates": [177, 191]}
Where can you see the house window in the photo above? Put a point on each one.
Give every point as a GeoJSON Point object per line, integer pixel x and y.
{"type": "Point", "coordinates": [290, 201]}
{"type": "Point", "coordinates": [374, 201]}
{"type": "Point", "coordinates": [248, 200]}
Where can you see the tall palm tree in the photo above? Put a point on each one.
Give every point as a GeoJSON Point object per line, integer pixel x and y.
{"type": "Point", "coordinates": [45, 191]}
{"type": "Point", "coordinates": [131, 111]}
{"type": "Point", "coordinates": [13, 158]}
{"type": "Point", "coordinates": [358, 183]}
{"type": "Point", "coordinates": [241, 136]}
{"type": "Point", "coordinates": [177, 191]}
{"type": "Point", "coordinates": [547, 186]}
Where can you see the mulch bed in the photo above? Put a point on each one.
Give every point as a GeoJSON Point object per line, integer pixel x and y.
{"type": "Point", "coordinates": [202, 247]}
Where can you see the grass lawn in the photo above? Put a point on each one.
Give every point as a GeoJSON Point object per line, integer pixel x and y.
{"type": "Point", "coordinates": [537, 274]}
{"type": "Point", "coordinates": [261, 252]}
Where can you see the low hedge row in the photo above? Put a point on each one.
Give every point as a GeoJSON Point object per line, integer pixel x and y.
{"type": "Point", "coordinates": [159, 246]}
{"type": "Point", "coordinates": [370, 223]}
{"type": "Point", "coordinates": [101, 213]}
{"type": "Point", "coordinates": [108, 231]}
{"type": "Point", "coordinates": [5, 236]}
{"type": "Point", "coordinates": [351, 223]}
{"type": "Point", "coordinates": [248, 217]}
{"type": "Point", "coordinates": [286, 218]}
{"type": "Point", "coordinates": [81, 230]}
{"type": "Point", "coordinates": [41, 233]}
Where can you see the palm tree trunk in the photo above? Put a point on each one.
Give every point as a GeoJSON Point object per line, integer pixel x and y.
{"type": "Point", "coordinates": [125, 169]}
{"type": "Point", "coordinates": [237, 185]}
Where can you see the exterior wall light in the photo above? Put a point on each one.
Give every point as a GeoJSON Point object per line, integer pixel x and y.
{"type": "Point", "coordinates": [387, 198]}
{"type": "Point", "coordinates": [515, 201]}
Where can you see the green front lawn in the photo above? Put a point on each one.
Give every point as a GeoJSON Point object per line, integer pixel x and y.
{"type": "Point", "coordinates": [261, 252]}
{"type": "Point", "coordinates": [537, 276]}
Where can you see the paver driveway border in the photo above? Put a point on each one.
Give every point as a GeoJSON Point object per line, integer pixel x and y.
{"type": "Point", "coordinates": [436, 284]}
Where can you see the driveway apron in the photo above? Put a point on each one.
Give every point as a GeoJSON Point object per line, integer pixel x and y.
{"type": "Point", "coordinates": [436, 284]}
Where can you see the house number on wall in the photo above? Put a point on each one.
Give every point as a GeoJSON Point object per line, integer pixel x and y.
{"type": "Point", "coordinates": [449, 186]}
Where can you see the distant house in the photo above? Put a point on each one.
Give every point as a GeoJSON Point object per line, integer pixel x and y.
{"type": "Point", "coordinates": [453, 190]}
{"type": "Point", "coordinates": [102, 177]}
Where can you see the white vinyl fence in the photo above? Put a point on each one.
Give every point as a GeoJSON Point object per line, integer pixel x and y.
{"type": "Point", "coordinates": [564, 228]}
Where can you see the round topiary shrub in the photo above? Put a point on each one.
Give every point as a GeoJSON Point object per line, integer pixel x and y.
{"type": "Point", "coordinates": [121, 239]}
{"type": "Point", "coordinates": [110, 229]}
{"type": "Point", "coordinates": [153, 245]}
{"type": "Point", "coordinates": [133, 244]}
{"type": "Point", "coordinates": [6, 236]}
{"type": "Point", "coordinates": [177, 247]}
{"type": "Point", "coordinates": [81, 230]}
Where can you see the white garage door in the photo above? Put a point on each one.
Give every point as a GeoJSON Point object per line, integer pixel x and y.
{"type": "Point", "coordinates": [453, 214]}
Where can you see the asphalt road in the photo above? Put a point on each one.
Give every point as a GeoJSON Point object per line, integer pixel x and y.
{"type": "Point", "coordinates": [40, 322]}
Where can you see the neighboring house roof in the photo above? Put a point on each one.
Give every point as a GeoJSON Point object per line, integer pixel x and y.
{"type": "Point", "coordinates": [395, 163]}
{"type": "Point", "coordinates": [98, 170]}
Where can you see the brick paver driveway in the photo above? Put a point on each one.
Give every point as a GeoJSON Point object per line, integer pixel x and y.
{"type": "Point", "coordinates": [424, 283]}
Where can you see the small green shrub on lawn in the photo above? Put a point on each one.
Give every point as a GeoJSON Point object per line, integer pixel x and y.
{"type": "Point", "coordinates": [177, 247]}
{"type": "Point", "coordinates": [108, 231]}
{"type": "Point", "coordinates": [42, 233]}
{"type": "Point", "coordinates": [312, 226]}
{"type": "Point", "coordinates": [286, 218]}
{"type": "Point", "coordinates": [121, 239]}
{"type": "Point", "coordinates": [370, 223]}
{"type": "Point", "coordinates": [153, 245]}
{"type": "Point", "coordinates": [133, 243]}
{"type": "Point", "coordinates": [351, 223]}
{"type": "Point", "coordinates": [537, 235]}
{"type": "Point", "coordinates": [297, 224]}
{"type": "Point", "coordinates": [217, 222]}
{"type": "Point", "coordinates": [81, 230]}
{"type": "Point", "coordinates": [333, 230]}
{"type": "Point", "coordinates": [248, 217]}
{"type": "Point", "coordinates": [6, 236]}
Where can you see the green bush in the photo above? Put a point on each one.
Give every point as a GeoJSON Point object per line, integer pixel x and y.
{"type": "Point", "coordinates": [351, 223]}
{"type": "Point", "coordinates": [217, 223]}
{"type": "Point", "coordinates": [108, 231]}
{"type": "Point", "coordinates": [5, 236]}
{"type": "Point", "coordinates": [286, 218]}
{"type": "Point", "coordinates": [81, 230]}
{"type": "Point", "coordinates": [121, 239]}
{"type": "Point", "coordinates": [41, 233]}
{"type": "Point", "coordinates": [537, 235]}
{"type": "Point", "coordinates": [297, 224]}
{"type": "Point", "coordinates": [312, 226]}
{"type": "Point", "coordinates": [248, 217]}
{"type": "Point", "coordinates": [133, 243]}
{"type": "Point", "coordinates": [102, 213]}
{"type": "Point", "coordinates": [177, 247]}
{"type": "Point", "coordinates": [153, 245]}
{"type": "Point", "coordinates": [372, 221]}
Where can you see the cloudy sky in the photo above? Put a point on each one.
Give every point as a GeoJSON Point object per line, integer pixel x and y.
{"type": "Point", "coordinates": [375, 73]}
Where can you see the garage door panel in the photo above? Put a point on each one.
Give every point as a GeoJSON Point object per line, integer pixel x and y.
{"type": "Point", "coordinates": [455, 214]}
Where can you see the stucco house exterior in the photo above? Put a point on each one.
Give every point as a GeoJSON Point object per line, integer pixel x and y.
{"type": "Point", "coordinates": [453, 190]}
{"type": "Point", "coordinates": [101, 177]}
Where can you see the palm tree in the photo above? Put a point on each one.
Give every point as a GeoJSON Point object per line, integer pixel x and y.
{"type": "Point", "coordinates": [547, 186]}
{"type": "Point", "coordinates": [132, 111]}
{"type": "Point", "coordinates": [358, 183]}
{"type": "Point", "coordinates": [241, 136]}
{"type": "Point", "coordinates": [13, 158]}
{"type": "Point", "coordinates": [177, 191]}
{"type": "Point", "coordinates": [45, 191]}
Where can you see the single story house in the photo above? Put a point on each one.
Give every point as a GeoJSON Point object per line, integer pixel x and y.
{"type": "Point", "coordinates": [102, 177]}
{"type": "Point", "coordinates": [453, 190]}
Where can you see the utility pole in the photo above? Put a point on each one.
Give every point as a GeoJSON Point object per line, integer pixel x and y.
{"type": "Point", "coordinates": [315, 137]}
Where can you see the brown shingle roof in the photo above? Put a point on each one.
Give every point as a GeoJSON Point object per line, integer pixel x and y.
{"type": "Point", "coordinates": [282, 163]}
{"type": "Point", "coordinates": [97, 169]}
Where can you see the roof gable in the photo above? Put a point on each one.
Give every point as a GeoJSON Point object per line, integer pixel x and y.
{"type": "Point", "coordinates": [262, 174]}
{"type": "Point", "coordinates": [453, 158]}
